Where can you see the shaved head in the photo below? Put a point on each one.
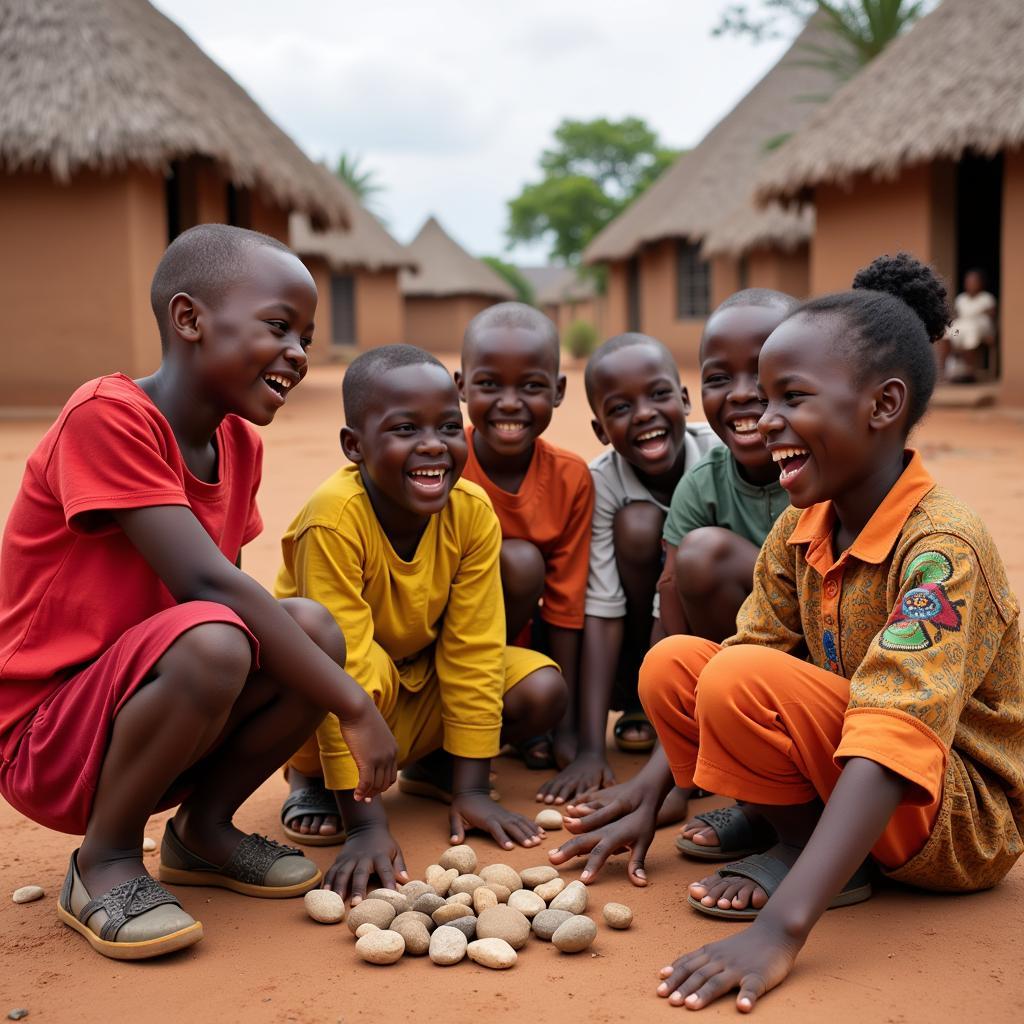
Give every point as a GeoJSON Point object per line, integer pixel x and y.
{"type": "Point", "coordinates": [357, 387]}
{"type": "Point", "coordinates": [511, 315]}
{"type": "Point", "coordinates": [612, 345]}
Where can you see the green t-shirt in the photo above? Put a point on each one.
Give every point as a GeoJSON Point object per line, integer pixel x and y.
{"type": "Point", "coordinates": [714, 494]}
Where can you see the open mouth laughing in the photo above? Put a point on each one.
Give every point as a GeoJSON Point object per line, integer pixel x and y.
{"type": "Point", "coordinates": [511, 429]}
{"type": "Point", "coordinates": [279, 385]}
{"type": "Point", "coordinates": [791, 461]}
{"type": "Point", "coordinates": [744, 431]}
{"type": "Point", "coordinates": [429, 481]}
{"type": "Point", "coordinates": [652, 444]}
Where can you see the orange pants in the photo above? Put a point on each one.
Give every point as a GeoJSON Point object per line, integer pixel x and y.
{"type": "Point", "coordinates": [759, 725]}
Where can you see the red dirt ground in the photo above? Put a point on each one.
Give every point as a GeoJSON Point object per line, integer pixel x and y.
{"type": "Point", "coordinates": [902, 958]}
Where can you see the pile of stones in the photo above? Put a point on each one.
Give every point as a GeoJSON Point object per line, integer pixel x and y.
{"type": "Point", "coordinates": [456, 912]}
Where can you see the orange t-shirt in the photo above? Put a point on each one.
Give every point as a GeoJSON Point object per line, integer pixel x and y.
{"type": "Point", "coordinates": [70, 580]}
{"type": "Point", "coordinates": [552, 510]}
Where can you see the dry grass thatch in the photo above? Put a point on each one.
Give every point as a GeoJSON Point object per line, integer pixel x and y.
{"type": "Point", "coordinates": [108, 84]}
{"type": "Point", "coordinates": [712, 184]}
{"type": "Point", "coordinates": [566, 286]}
{"type": "Point", "coordinates": [445, 268]}
{"type": "Point", "coordinates": [954, 82]}
{"type": "Point", "coordinates": [365, 245]}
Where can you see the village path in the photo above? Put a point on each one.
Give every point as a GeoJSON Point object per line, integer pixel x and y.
{"type": "Point", "coordinates": [901, 958]}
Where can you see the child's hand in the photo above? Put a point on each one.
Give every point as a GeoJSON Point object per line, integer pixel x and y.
{"type": "Point", "coordinates": [368, 851]}
{"type": "Point", "coordinates": [754, 961]}
{"type": "Point", "coordinates": [478, 810]}
{"type": "Point", "coordinates": [373, 749]}
{"type": "Point", "coordinates": [588, 772]}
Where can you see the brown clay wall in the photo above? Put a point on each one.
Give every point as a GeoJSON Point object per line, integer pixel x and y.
{"type": "Point", "coordinates": [658, 302]}
{"type": "Point", "coordinates": [616, 316]}
{"type": "Point", "coordinates": [75, 267]}
{"type": "Point", "coordinates": [437, 324]}
{"type": "Point", "coordinates": [380, 317]}
{"type": "Point", "coordinates": [787, 272]}
{"type": "Point", "coordinates": [1011, 304]}
{"type": "Point", "coordinates": [266, 217]}
{"type": "Point", "coordinates": [320, 352]}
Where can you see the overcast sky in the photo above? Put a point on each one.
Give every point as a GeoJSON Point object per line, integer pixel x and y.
{"type": "Point", "coordinates": [451, 101]}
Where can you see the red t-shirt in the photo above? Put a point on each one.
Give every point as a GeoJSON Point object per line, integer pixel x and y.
{"type": "Point", "coordinates": [552, 509]}
{"type": "Point", "coordinates": [70, 580]}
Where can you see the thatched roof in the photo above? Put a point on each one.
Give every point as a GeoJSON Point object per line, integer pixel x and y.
{"type": "Point", "coordinates": [445, 268]}
{"type": "Point", "coordinates": [564, 285]}
{"type": "Point", "coordinates": [107, 84]}
{"type": "Point", "coordinates": [954, 82]}
{"type": "Point", "coordinates": [712, 183]}
{"type": "Point", "coordinates": [366, 244]}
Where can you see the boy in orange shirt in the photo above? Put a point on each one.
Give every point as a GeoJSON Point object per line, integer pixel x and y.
{"type": "Point", "coordinates": [543, 495]}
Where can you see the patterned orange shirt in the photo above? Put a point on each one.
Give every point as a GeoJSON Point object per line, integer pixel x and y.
{"type": "Point", "coordinates": [918, 614]}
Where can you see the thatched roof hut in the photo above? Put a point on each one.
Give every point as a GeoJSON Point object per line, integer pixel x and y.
{"type": "Point", "coordinates": [711, 185]}
{"type": "Point", "coordinates": [108, 84]}
{"type": "Point", "coordinates": [365, 244]}
{"type": "Point", "coordinates": [445, 268]}
{"type": "Point", "coordinates": [954, 82]}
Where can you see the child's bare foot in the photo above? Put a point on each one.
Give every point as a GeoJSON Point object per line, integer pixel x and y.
{"type": "Point", "coordinates": [325, 823]}
{"type": "Point", "coordinates": [735, 893]}
{"type": "Point", "coordinates": [734, 830]}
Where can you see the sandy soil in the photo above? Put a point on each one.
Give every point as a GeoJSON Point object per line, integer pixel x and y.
{"type": "Point", "coordinates": [902, 958]}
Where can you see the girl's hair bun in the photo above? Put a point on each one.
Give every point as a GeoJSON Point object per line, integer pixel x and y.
{"type": "Point", "coordinates": [914, 283]}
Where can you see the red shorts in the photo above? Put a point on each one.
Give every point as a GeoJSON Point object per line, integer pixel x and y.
{"type": "Point", "coordinates": [50, 761]}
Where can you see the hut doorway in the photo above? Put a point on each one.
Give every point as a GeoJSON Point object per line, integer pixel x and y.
{"type": "Point", "coordinates": [633, 294]}
{"type": "Point", "coordinates": [979, 214]}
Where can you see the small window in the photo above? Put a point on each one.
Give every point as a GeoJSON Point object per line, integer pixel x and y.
{"type": "Point", "coordinates": [633, 294]}
{"type": "Point", "coordinates": [343, 309]}
{"type": "Point", "coordinates": [693, 282]}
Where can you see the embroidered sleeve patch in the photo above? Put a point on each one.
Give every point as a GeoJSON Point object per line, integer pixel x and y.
{"type": "Point", "coordinates": [926, 605]}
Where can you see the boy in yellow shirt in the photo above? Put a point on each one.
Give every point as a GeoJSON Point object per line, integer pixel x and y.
{"type": "Point", "coordinates": [405, 555]}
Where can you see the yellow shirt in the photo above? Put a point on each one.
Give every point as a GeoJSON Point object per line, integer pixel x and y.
{"type": "Point", "coordinates": [917, 613]}
{"type": "Point", "coordinates": [448, 598]}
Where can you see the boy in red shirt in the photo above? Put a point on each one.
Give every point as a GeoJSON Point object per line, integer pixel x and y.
{"type": "Point", "coordinates": [543, 495]}
{"type": "Point", "coordinates": [139, 667]}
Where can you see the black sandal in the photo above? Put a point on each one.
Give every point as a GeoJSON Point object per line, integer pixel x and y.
{"type": "Point", "coordinates": [313, 800]}
{"type": "Point", "coordinates": [737, 836]}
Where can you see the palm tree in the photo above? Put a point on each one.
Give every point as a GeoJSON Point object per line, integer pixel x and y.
{"type": "Point", "coordinates": [363, 181]}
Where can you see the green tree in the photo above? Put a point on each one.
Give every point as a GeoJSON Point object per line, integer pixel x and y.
{"type": "Point", "coordinates": [862, 28]}
{"type": "Point", "coordinates": [593, 170]}
{"type": "Point", "coordinates": [513, 275]}
{"type": "Point", "coordinates": [363, 181]}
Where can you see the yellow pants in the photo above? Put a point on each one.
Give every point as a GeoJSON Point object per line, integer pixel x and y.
{"type": "Point", "coordinates": [413, 717]}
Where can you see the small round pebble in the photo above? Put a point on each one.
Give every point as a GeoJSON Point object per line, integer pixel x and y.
{"type": "Point", "coordinates": [547, 922]}
{"type": "Point", "coordinates": [324, 906]}
{"type": "Point", "coordinates": [494, 953]}
{"type": "Point", "coordinates": [415, 933]}
{"type": "Point", "coordinates": [462, 898]}
{"type": "Point", "coordinates": [502, 874]}
{"type": "Point", "coordinates": [412, 891]}
{"type": "Point", "coordinates": [574, 935]}
{"type": "Point", "coordinates": [381, 947]}
{"type": "Point", "coordinates": [396, 899]}
{"type": "Point", "coordinates": [365, 929]}
{"type": "Point", "coordinates": [484, 898]}
{"type": "Point", "coordinates": [449, 912]}
{"type": "Point", "coordinates": [462, 858]}
{"type": "Point", "coordinates": [442, 882]}
{"type": "Point", "coordinates": [28, 894]}
{"type": "Point", "coordinates": [549, 819]}
{"type": "Point", "coordinates": [378, 912]}
{"type": "Point", "coordinates": [502, 891]}
{"type": "Point", "coordinates": [447, 946]}
{"type": "Point", "coordinates": [428, 903]}
{"type": "Point", "coordinates": [432, 873]}
{"type": "Point", "coordinates": [413, 915]}
{"type": "Point", "coordinates": [549, 890]}
{"type": "Point", "coordinates": [148, 845]}
{"type": "Point", "coordinates": [466, 925]}
{"type": "Point", "coordinates": [20, 1014]}
{"type": "Point", "coordinates": [572, 898]}
{"type": "Point", "coordinates": [466, 884]}
{"type": "Point", "coordinates": [506, 923]}
{"type": "Point", "coordinates": [532, 877]}
{"type": "Point", "coordinates": [529, 904]}
{"type": "Point", "coordinates": [617, 915]}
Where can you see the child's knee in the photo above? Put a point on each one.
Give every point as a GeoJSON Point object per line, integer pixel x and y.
{"type": "Point", "coordinates": [664, 672]}
{"type": "Point", "coordinates": [698, 559]}
{"type": "Point", "coordinates": [735, 680]}
{"type": "Point", "coordinates": [636, 531]}
{"type": "Point", "coordinates": [210, 665]}
{"type": "Point", "coordinates": [542, 696]}
{"type": "Point", "coordinates": [522, 570]}
{"type": "Point", "coordinates": [318, 624]}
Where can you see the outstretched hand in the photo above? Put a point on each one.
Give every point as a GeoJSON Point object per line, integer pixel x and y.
{"type": "Point", "coordinates": [754, 961]}
{"type": "Point", "coordinates": [367, 852]}
{"type": "Point", "coordinates": [478, 810]}
{"type": "Point", "coordinates": [587, 773]}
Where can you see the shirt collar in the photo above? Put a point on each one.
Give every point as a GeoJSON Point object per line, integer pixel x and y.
{"type": "Point", "coordinates": [876, 540]}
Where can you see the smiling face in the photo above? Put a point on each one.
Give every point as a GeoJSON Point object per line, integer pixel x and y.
{"type": "Point", "coordinates": [641, 408]}
{"type": "Point", "coordinates": [252, 341]}
{"type": "Point", "coordinates": [511, 385]}
{"type": "Point", "coordinates": [732, 342]}
{"type": "Point", "coordinates": [410, 447]}
{"type": "Point", "coordinates": [820, 424]}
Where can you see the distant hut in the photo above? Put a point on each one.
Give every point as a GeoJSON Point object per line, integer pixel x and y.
{"type": "Point", "coordinates": [116, 133]}
{"type": "Point", "coordinates": [356, 273]}
{"type": "Point", "coordinates": [924, 150]}
{"type": "Point", "coordinates": [446, 291]}
{"type": "Point", "coordinates": [566, 297]}
{"type": "Point", "coordinates": [694, 236]}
